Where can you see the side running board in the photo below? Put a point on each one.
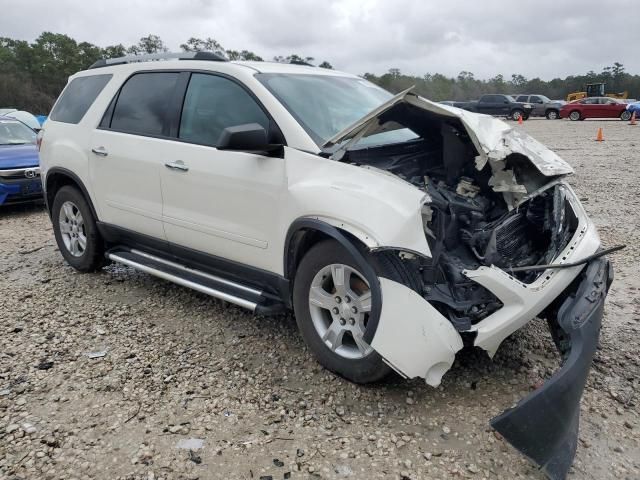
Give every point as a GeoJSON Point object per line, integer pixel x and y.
{"type": "Point", "coordinates": [213, 285]}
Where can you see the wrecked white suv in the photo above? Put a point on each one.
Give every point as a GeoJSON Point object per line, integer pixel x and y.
{"type": "Point", "coordinates": [397, 229]}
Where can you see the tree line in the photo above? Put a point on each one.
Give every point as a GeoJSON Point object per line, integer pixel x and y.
{"type": "Point", "coordinates": [32, 74]}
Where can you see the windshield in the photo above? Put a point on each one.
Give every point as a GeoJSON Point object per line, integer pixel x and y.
{"type": "Point", "coordinates": [327, 104]}
{"type": "Point", "coordinates": [13, 132]}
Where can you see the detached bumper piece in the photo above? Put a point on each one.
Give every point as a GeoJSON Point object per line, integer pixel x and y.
{"type": "Point", "coordinates": [544, 424]}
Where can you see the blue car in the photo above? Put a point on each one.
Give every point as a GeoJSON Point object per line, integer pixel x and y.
{"type": "Point", "coordinates": [634, 107]}
{"type": "Point", "coordinates": [19, 163]}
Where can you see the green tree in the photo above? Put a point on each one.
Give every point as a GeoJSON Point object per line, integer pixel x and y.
{"type": "Point", "coordinates": [243, 55]}
{"type": "Point", "coordinates": [114, 51]}
{"type": "Point", "coordinates": [199, 45]}
{"type": "Point", "coordinates": [148, 44]}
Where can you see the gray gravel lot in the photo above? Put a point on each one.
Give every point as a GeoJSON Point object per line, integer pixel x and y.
{"type": "Point", "coordinates": [178, 365]}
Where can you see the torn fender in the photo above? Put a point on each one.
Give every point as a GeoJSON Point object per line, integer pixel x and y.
{"type": "Point", "coordinates": [412, 336]}
{"type": "Point", "coordinates": [544, 425]}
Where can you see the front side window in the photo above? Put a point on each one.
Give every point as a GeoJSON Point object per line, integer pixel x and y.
{"type": "Point", "coordinates": [213, 103]}
{"type": "Point", "coordinates": [535, 99]}
{"type": "Point", "coordinates": [13, 132]}
{"type": "Point", "coordinates": [522, 98]}
{"type": "Point", "coordinates": [78, 97]}
{"type": "Point", "coordinates": [143, 103]}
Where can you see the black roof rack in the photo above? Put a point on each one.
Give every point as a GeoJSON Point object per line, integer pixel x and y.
{"type": "Point", "coordinates": [301, 62]}
{"type": "Point", "coordinates": [211, 56]}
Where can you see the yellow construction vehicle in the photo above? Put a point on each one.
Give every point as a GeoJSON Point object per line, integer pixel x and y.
{"type": "Point", "coordinates": [595, 90]}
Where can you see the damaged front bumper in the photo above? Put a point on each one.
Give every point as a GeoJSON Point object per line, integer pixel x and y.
{"type": "Point", "coordinates": [544, 425]}
{"type": "Point", "coordinates": [417, 341]}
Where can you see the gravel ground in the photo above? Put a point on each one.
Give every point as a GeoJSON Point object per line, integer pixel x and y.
{"type": "Point", "coordinates": [187, 387]}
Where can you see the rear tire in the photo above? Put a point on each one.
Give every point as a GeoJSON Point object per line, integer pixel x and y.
{"type": "Point", "coordinates": [75, 230]}
{"type": "Point", "coordinates": [625, 116]}
{"type": "Point", "coordinates": [575, 116]}
{"type": "Point", "coordinates": [333, 320]}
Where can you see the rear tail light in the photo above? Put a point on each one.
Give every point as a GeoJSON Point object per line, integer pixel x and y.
{"type": "Point", "coordinates": [39, 139]}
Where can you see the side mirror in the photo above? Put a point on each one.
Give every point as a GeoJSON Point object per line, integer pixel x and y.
{"type": "Point", "coordinates": [249, 137]}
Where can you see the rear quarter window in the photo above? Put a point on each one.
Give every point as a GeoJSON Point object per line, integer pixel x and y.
{"type": "Point", "coordinates": [78, 97]}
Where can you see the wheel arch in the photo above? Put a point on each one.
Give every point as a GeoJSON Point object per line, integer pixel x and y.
{"type": "Point", "coordinates": [304, 233]}
{"type": "Point", "coordinates": [58, 177]}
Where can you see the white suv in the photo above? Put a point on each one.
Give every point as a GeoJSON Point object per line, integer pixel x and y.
{"type": "Point", "coordinates": [397, 229]}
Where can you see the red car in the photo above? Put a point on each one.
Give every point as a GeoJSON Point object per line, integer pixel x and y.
{"type": "Point", "coordinates": [595, 107]}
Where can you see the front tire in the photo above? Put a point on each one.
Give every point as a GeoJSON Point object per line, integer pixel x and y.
{"type": "Point", "coordinates": [516, 114]}
{"type": "Point", "coordinates": [575, 116]}
{"type": "Point", "coordinates": [334, 308]}
{"type": "Point", "coordinates": [552, 114]}
{"type": "Point", "coordinates": [75, 230]}
{"type": "Point", "coordinates": [625, 116]}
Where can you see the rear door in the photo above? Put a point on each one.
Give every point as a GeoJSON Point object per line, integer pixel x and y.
{"type": "Point", "coordinates": [129, 151]}
{"type": "Point", "coordinates": [218, 202]}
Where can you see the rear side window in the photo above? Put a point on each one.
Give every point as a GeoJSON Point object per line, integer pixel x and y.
{"type": "Point", "coordinates": [78, 97]}
{"type": "Point", "coordinates": [143, 103]}
{"type": "Point", "coordinates": [213, 103]}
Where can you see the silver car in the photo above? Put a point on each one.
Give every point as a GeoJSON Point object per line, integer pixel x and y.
{"type": "Point", "coordinates": [542, 106]}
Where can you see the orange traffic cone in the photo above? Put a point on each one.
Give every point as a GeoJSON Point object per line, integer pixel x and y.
{"type": "Point", "coordinates": [633, 119]}
{"type": "Point", "coordinates": [520, 120]}
{"type": "Point", "coordinates": [600, 137]}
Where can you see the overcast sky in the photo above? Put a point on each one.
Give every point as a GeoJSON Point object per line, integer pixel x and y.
{"type": "Point", "coordinates": [545, 38]}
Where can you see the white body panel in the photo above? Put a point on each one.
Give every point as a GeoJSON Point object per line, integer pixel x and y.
{"type": "Point", "coordinates": [412, 336]}
{"type": "Point", "coordinates": [227, 204]}
{"type": "Point", "coordinates": [126, 182]}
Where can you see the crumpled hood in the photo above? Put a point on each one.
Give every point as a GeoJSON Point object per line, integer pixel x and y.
{"type": "Point", "coordinates": [494, 139]}
{"type": "Point", "coordinates": [18, 156]}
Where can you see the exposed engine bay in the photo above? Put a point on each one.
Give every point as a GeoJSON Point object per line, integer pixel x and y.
{"type": "Point", "coordinates": [502, 213]}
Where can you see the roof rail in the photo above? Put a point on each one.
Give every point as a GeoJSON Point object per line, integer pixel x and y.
{"type": "Point", "coordinates": [301, 62]}
{"type": "Point", "coordinates": [211, 56]}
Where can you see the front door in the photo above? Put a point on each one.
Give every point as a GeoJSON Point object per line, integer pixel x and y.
{"type": "Point", "coordinates": [217, 202]}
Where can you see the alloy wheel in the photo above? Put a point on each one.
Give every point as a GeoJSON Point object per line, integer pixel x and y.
{"type": "Point", "coordinates": [72, 229]}
{"type": "Point", "coordinates": [340, 304]}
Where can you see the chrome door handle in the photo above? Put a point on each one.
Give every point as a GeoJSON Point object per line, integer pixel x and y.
{"type": "Point", "coordinates": [100, 151]}
{"type": "Point", "coordinates": [177, 165]}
